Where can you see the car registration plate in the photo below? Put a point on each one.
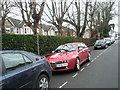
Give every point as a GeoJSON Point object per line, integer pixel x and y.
{"type": "Point", "coordinates": [98, 46]}
{"type": "Point", "coordinates": [62, 65]}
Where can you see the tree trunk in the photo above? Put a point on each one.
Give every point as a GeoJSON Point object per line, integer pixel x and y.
{"type": "Point", "coordinates": [85, 20]}
{"type": "Point", "coordinates": [78, 32]}
{"type": "Point", "coordinates": [35, 27]}
{"type": "Point", "coordinates": [60, 33]}
{"type": "Point", "coordinates": [3, 25]}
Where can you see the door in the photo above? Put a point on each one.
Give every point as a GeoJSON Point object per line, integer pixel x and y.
{"type": "Point", "coordinates": [17, 75]}
{"type": "Point", "coordinates": [81, 53]}
{"type": "Point", "coordinates": [85, 49]}
{"type": "Point", "coordinates": [2, 77]}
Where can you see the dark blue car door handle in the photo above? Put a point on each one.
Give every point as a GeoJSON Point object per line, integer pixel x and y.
{"type": "Point", "coordinates": [33, 69]}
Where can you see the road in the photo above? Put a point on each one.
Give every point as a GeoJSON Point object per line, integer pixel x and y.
{"type": "Point", "coordinates": [101, 72]}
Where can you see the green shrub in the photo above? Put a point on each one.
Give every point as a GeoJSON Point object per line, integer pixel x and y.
{"type": "Point", "coordinates": [29, 42]}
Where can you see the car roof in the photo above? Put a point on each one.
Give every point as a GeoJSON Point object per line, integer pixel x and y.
{"type": "Point", "coordinates": [107, 38]}
{"type": "Point", "coordinates": [100, 40]}
{"type": "Point", "coordinates": [12, 51]}
{"type": "Point", "coordinates": [72, 43]}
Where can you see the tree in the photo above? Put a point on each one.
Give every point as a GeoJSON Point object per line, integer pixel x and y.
{"type": "Point", "coordinates": [91, 13]}
{"type": "Point", "coordinates": [100, 15]}
{"type": "Point", "coordinates": [5, 7]}
{"type": "Point", "coordinates": [106, 16]}
{"type": "Point", "coordinates": [85, 19]}
{"type": "Point", "coordinates": [31, 12]}
{"type": "Point", "coordinates": [75, 18]}
{"type": "Point", "coordinates": [57, 13]}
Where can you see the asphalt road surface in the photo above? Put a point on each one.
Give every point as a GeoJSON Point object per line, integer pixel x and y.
{"type": "Point", "coordinates": [101, 72]}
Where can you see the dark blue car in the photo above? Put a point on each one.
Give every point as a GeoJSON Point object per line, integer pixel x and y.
{"type": "Point", "coordinates": [21, 69]}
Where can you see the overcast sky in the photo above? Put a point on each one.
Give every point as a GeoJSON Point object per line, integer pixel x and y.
{"type": "Point", "coordinates": [114, 20]}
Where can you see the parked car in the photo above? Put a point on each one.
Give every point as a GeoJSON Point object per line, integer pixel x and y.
{"type": "Point", "coordinates": [108, 41]}
{"type": "Point", "coordinates": [69, 56]}
{"type": "Point", "coordinates": [100, 44]}
{"type": "Point", "coordinates": [112, 40]}
{"type": "Point", "coordinates": [21, 69]}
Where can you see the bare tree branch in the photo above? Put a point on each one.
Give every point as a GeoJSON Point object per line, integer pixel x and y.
{"type": "Point", "coordinates": [31, 12]}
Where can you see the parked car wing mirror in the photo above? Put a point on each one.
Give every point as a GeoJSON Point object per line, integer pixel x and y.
{"type": "Point", "coordinates": [80, 48]}
{"type": "Point", "coordinates": [53, 51]}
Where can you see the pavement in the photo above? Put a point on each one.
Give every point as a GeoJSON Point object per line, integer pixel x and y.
{"type": "Point", "coordinates": [101, 72]}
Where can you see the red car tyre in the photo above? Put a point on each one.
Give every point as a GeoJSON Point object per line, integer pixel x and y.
{"type": "Point", "coordinates": [77, 64]}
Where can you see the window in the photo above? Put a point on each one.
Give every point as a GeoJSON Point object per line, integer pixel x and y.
{"type": "Point", "coordinates": [1, 66]}
{"type": "Point", "coordinates": [25, 30]}
{"type": "Point", "coordinates": [82, 45]}
{"type": "Point", "coordinates": [27, 60]}
{"type": "Point", "coordinates": [13, 60]}
{"type": "Point", "coordinates": [17, 30]}
{"type": "Point", "coordinates": [66, 48]}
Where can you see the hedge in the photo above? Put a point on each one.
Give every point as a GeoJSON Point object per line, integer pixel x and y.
{"type": "Point", "coordinates": [29, 42]}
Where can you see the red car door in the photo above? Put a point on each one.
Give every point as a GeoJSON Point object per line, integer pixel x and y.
{"type": "Point", "coordinates": [81, 53]}
{"type": "Point", "coordinates": [85, 51]}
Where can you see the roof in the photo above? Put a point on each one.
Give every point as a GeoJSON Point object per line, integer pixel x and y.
{"type": "Point", "coordinates": [15, 22]}
{"type": "Point", "coordinates": [66, 29]}
{"type": "Point", "coordinates": [72, 43]}
{"type": "Point", "coordinates": [31, 55]}
{"type": "Point", "coordinates": [48, 27]}
{"type": "Point", "coordinates": [8, 51]}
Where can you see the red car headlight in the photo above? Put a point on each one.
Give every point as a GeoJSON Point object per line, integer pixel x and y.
{"type": "Point", "coordinates": [65, 61]}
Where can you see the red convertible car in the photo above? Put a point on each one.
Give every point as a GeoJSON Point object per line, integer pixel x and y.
{"type": "Point", "coordinates": [69, 56]}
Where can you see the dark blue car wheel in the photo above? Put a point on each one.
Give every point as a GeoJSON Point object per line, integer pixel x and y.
{"type": "Point", "coordinates": [43, 82]}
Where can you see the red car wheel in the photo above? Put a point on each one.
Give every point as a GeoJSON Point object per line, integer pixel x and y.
{"type": "Point", "coordinates": [77, 65]}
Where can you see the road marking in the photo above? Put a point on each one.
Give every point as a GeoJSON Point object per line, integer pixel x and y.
{"type": "Point", "coordinates": [63, 84]}
{"type": "Point", "coordinates": [75, 75]}
{"type": "Point", "coordinates": [88, 64]}
{"type": "Point", "coordinates": [100, 54]}
{"type": "Point", "coordinates": [97, 56]}
{"type": "Point", "coordinates": [82, 69]}
{"type": "Point", "coordinates": [92, 61]}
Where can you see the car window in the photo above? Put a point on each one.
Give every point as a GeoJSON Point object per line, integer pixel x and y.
{"type": "Point", "coordinates": [27, 60]}
{"type": "Point", "coordinates": [66, 48]}
{"type": "Point", "coordinates": [82, 45]}
{"type": "Point", "coordinates": [13, 60]}
{"type": "Point", "coordinates": [1, 66]}
{"type": "Point", "coordinates": [99, 41]}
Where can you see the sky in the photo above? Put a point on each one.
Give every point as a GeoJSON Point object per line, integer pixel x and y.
{"type": "Point", "coordinates": [114, 20]}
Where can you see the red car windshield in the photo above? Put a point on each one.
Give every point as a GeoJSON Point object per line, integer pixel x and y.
{"type": "Point", "coordinates": [66, 48]}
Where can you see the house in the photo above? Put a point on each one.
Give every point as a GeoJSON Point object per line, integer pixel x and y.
{"type": "Point", "coordinates": [87, 34]}
{"type": "Point", "coordinates": [17, 27]}
{"type": "Point", "coordinates": [68, 32]}
{"type": "Point", "coordinates": [49, 30]}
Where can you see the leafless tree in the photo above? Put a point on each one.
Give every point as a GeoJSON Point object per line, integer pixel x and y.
{"type": "Point", "coordinates": [93, 7]}
{"type": "Point", "coordinates": [75, 18]}
{"type": "Point", "coordinates": [5, 9]}
{"type": "Point", "coordinates": [99, 16]}
{"type": "Point", "coordinates": [31, 11]}
{"type": "Point", "coordinates": [57, 13]}
{"type": "Point", "coordinates": [104, 15]}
